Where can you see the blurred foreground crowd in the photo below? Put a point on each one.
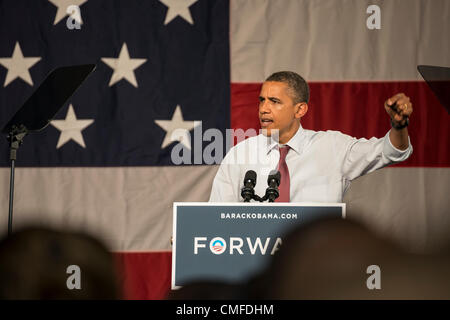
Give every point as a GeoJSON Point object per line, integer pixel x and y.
{"type": "Point", "coordinates": [323, 259]}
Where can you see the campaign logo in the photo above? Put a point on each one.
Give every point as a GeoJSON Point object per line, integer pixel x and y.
{"type": "Point", "coordinates": [239, 245]}
{"type": "Point", "coordinates": [217, 245]}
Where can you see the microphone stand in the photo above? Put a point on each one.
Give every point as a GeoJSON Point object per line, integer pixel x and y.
{"type": "Point", "coordinates": [272, 192]}
{"type": "Point", "coordinates": [258, 198]}
{"type": "Point", "coordinates": [248, 192]}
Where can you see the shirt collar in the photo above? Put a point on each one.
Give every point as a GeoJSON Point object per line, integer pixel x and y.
{"type": "Point", "coordinates": [295, 143]}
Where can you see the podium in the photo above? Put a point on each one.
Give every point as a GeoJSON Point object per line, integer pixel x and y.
{"type": "Point", "coordinates": [233, 241]}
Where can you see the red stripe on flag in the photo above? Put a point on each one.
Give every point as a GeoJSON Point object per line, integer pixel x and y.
{"type": "Point", "coordinates": [356, 108]}
{"type": "Point", "coordinates": [145, 275]}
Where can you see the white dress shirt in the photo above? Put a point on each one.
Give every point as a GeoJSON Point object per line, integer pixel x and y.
{"type": "Point", "coordinates": [321, 164]}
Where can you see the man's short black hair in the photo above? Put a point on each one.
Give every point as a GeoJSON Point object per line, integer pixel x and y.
{"type": "Point", "coordinates": [298, 86]}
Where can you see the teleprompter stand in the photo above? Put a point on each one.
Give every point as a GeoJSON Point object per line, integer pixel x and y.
{"type": "Point", "coordinates": [39, 110]}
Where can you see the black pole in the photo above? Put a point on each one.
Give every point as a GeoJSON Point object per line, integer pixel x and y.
{"type": "Point", "coordinates": [15, 139]}
{"type": "Point", "coordinates": [11, 197]}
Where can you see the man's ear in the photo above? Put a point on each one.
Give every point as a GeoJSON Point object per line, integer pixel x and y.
{"type": "Point", "coordinates": [301, 109]}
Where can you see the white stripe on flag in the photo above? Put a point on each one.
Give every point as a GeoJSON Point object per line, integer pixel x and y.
{"type": "Point", "coordinates": [328, 40]}
{"type": "Point", "coordinates": [131, 208]}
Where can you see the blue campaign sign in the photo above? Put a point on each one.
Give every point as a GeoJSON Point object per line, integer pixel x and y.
{"type": "Point", "coordinates": [233, 241]}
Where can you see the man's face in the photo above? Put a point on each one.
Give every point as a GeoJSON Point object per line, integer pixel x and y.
{"type": "Point", "coordinates": [278, 111]}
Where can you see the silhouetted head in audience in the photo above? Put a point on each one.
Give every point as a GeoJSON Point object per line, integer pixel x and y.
{"type": "Point", "coordinates": [34, 264]}
{"type": "Point", "coordinates": [332, 259]}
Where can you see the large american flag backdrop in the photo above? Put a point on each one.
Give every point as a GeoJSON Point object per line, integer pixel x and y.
{"type": "Point", "coordinates": [104, 165]}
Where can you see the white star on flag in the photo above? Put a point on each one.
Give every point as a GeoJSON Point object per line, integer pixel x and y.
{"type": "Point", "coordinates": [71, 128]}
{"type": "Point", "coordinates": [18, 66]}
{"type": "Point", "coordinates": [123, 66]}
{"type": "Point", "coordinates": [177, 129]}
{"type": "Point", "coordinates": [178, 8]}
{"type": "Point", "coordinates": [62, 9]}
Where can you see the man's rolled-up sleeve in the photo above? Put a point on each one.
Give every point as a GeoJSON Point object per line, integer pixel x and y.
{"type": "Point", "coordinates": [364, 156]}
{"type": "Point", "coordinates": [394, 154]}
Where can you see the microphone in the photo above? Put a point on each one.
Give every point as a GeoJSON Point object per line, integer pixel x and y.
{"type": "Point", "coordinates": [273, 181]}
{"type": "Point", "coordinates": [248, 191]}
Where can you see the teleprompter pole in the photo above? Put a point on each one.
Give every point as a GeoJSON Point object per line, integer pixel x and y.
{"type": "Point", "coordinates": [15, 139]}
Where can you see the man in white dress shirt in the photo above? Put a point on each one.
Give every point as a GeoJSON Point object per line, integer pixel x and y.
{"type": "Point", "coordinates": [315, 166]}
